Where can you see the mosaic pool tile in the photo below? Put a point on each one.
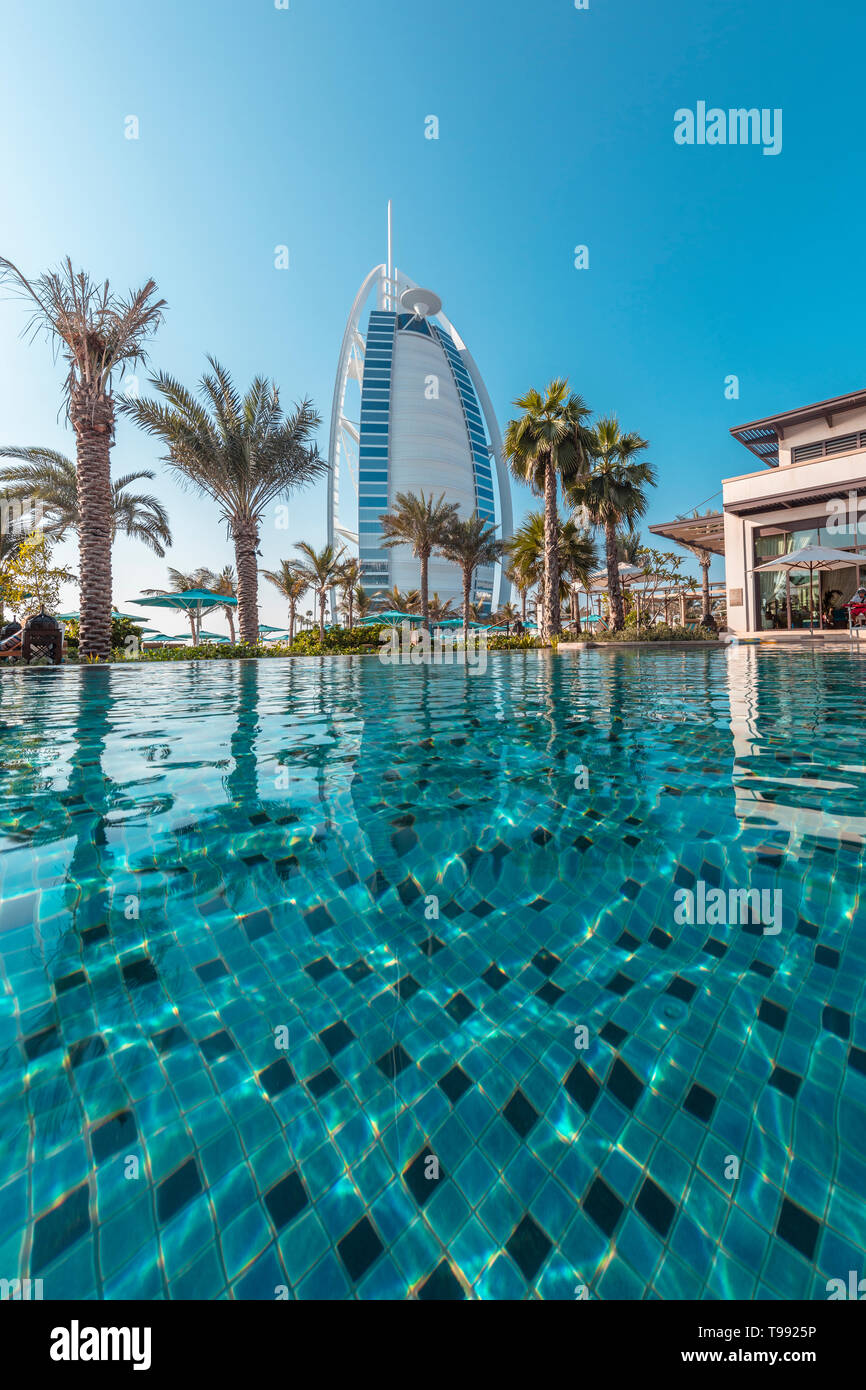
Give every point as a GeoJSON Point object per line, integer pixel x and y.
{"type": "Point", "coordinates": [418, 1019]}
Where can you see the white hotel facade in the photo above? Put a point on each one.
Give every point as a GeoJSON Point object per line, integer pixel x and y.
{"type": "Point", "coordinates": [810, 489]}
{"type": "Point", "coordinates": [411, 413]}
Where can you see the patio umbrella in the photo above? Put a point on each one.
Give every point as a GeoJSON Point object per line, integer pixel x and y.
{"type": "Point", "coordinates": [455, 623]}
{"type": "Point", "coordinates": [392, 616]}
{"type": "Point", "coordinates": [195, 601]}
{"type": "Point", "coordinates": [211, 637]}
{"type": "Point", "coordinates": [115, 617]}
{"type": "Point", "coordinates": [813, 558]}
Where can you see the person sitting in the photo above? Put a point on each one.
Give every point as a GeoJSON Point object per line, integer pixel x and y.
{"type": "Point", "coordinates": [857, 607]}
{"type": "Point", "coordinates": [835, 613]}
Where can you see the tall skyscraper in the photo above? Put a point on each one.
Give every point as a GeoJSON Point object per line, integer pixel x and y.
{"type": "Point", "coordinates": [411, 414]}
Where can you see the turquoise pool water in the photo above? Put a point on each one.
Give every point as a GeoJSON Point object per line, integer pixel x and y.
{"type": "Point", "coordinates": [333, 980]}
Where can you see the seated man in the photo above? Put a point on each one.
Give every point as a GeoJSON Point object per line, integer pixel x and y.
{"type": "Point", "coordinates": [857, 607]}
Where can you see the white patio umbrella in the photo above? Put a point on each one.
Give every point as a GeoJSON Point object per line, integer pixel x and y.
{"type": "Point", "coordinates": [813, 558]}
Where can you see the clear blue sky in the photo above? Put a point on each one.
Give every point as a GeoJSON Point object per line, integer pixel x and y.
{"type": "Point", "coordinates": [261, 127]}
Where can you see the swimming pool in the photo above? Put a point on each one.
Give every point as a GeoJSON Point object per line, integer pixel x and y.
{"type": "Point", "coordinates": [326, 979]}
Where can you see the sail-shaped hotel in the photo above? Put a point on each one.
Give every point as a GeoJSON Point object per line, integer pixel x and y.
{"type": "Point", "coordinates": [411, 414]}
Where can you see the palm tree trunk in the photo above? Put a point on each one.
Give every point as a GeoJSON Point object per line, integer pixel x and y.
{"type": "Point", "coordinates": [230, 616]}
{"type": "Point", "coordinates": [523, 595]}
{"type": "Point", "coordinates": [245, 534]}
{"type": "Point", "coordinates": [351, 608]}
{"type": "Point", "coordinates": [552, 622]}
{"type": "Point", "coordinates": [291, 620]}
{"type": "Point", "coordinates": [323, 594]}
{"type": "Point", "coordinates": [705, 575]}
{"type": "Point", "coordinates": [614, 592]}
{"type": "Point", "coordinates": [93, 424]}
{"type": "Point", "coordinates": [425, 602]}
{"type": "Point", "coordinates": [190, 613]}
{"type": "Point", "coordinates": [467, 588]}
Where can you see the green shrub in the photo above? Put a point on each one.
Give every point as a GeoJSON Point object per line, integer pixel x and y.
{"type": "Point", "coordinates": [121, 629]}
{"type": "Point", "coordinates": [205, 651]}
{"type": "Point", "coordinates": [337, 640]}
{"type": "Point", "coordinates": [498, 642]}
{"type": "Point", "coordinates": [659, 632]}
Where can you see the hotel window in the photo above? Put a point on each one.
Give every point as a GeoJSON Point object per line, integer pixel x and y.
{"type": "Point", "coordinates": [829, 590]}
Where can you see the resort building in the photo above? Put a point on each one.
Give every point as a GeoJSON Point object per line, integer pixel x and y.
{"type": "Point", "coordinates": [410, 413]}
{"type": "Point", "coordinates": [810, 490]}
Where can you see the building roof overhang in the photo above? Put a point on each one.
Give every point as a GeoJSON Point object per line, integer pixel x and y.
{"type": "Point", "coordinates": [707, 532]}
{"type": "Point", "coordinates": [762, 437]}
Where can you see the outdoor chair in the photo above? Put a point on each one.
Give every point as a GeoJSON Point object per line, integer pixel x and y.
{"type": "Point", "coordinates": [10, 646]}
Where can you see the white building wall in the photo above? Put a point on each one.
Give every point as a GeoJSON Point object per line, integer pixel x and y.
{"type": "Point", "coordinates": [814, 430]}
{"type": "Point", "coordinates": [429, 450]}
{"type": "Point", "coordinates": [839, 474]}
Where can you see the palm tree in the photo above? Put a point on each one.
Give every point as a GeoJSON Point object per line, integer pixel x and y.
{"type": "Point", "coordinates": [362, 602]}
{"type": "Point", "coordinates": [393, 600]}
{"type": "Point", "coordinates": [526, 550]}
{"type": "Point", "coordinates": [244, 453]}
{"type": "Point", "coordinates": [322, 572]}
{"type": "Point", "coordinates": [225, 583]}
{"type": "Point", "coordinates": [440, 609]}
{"type": "Point", "coordinates": [350, 575]}
{"type": "Point", "coordinates": [521, 580]}
{"type": "Point", "coordinates": [578, 561]}
{"type": "Point", "coordinates": [629, 546]}
{"type": "Point", "coordinates": [99, 334]}
{"type": "Point", "coordinates": [418, 521]}
{"type": "Point", "coordinates": [52, 478]}
{"type": "Point", "coordinates": [611, 494]}
{"type": "Point", "coordinates": [705, 559]}
{"type": "Point", "coordinates": [546, 443]}
{"type": "Point", "coordinates": [292, 581]}
{"type": "Point", "coordinates": [507, 614]}
{"type": "Point", "coordinates": [182, 583]}
{"type": "Point", "coordinates": [10, 545]}
{"type": "Point", "coordinates": [576, 557]}
{"type": "Point", "coordinates": [470, 543]}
